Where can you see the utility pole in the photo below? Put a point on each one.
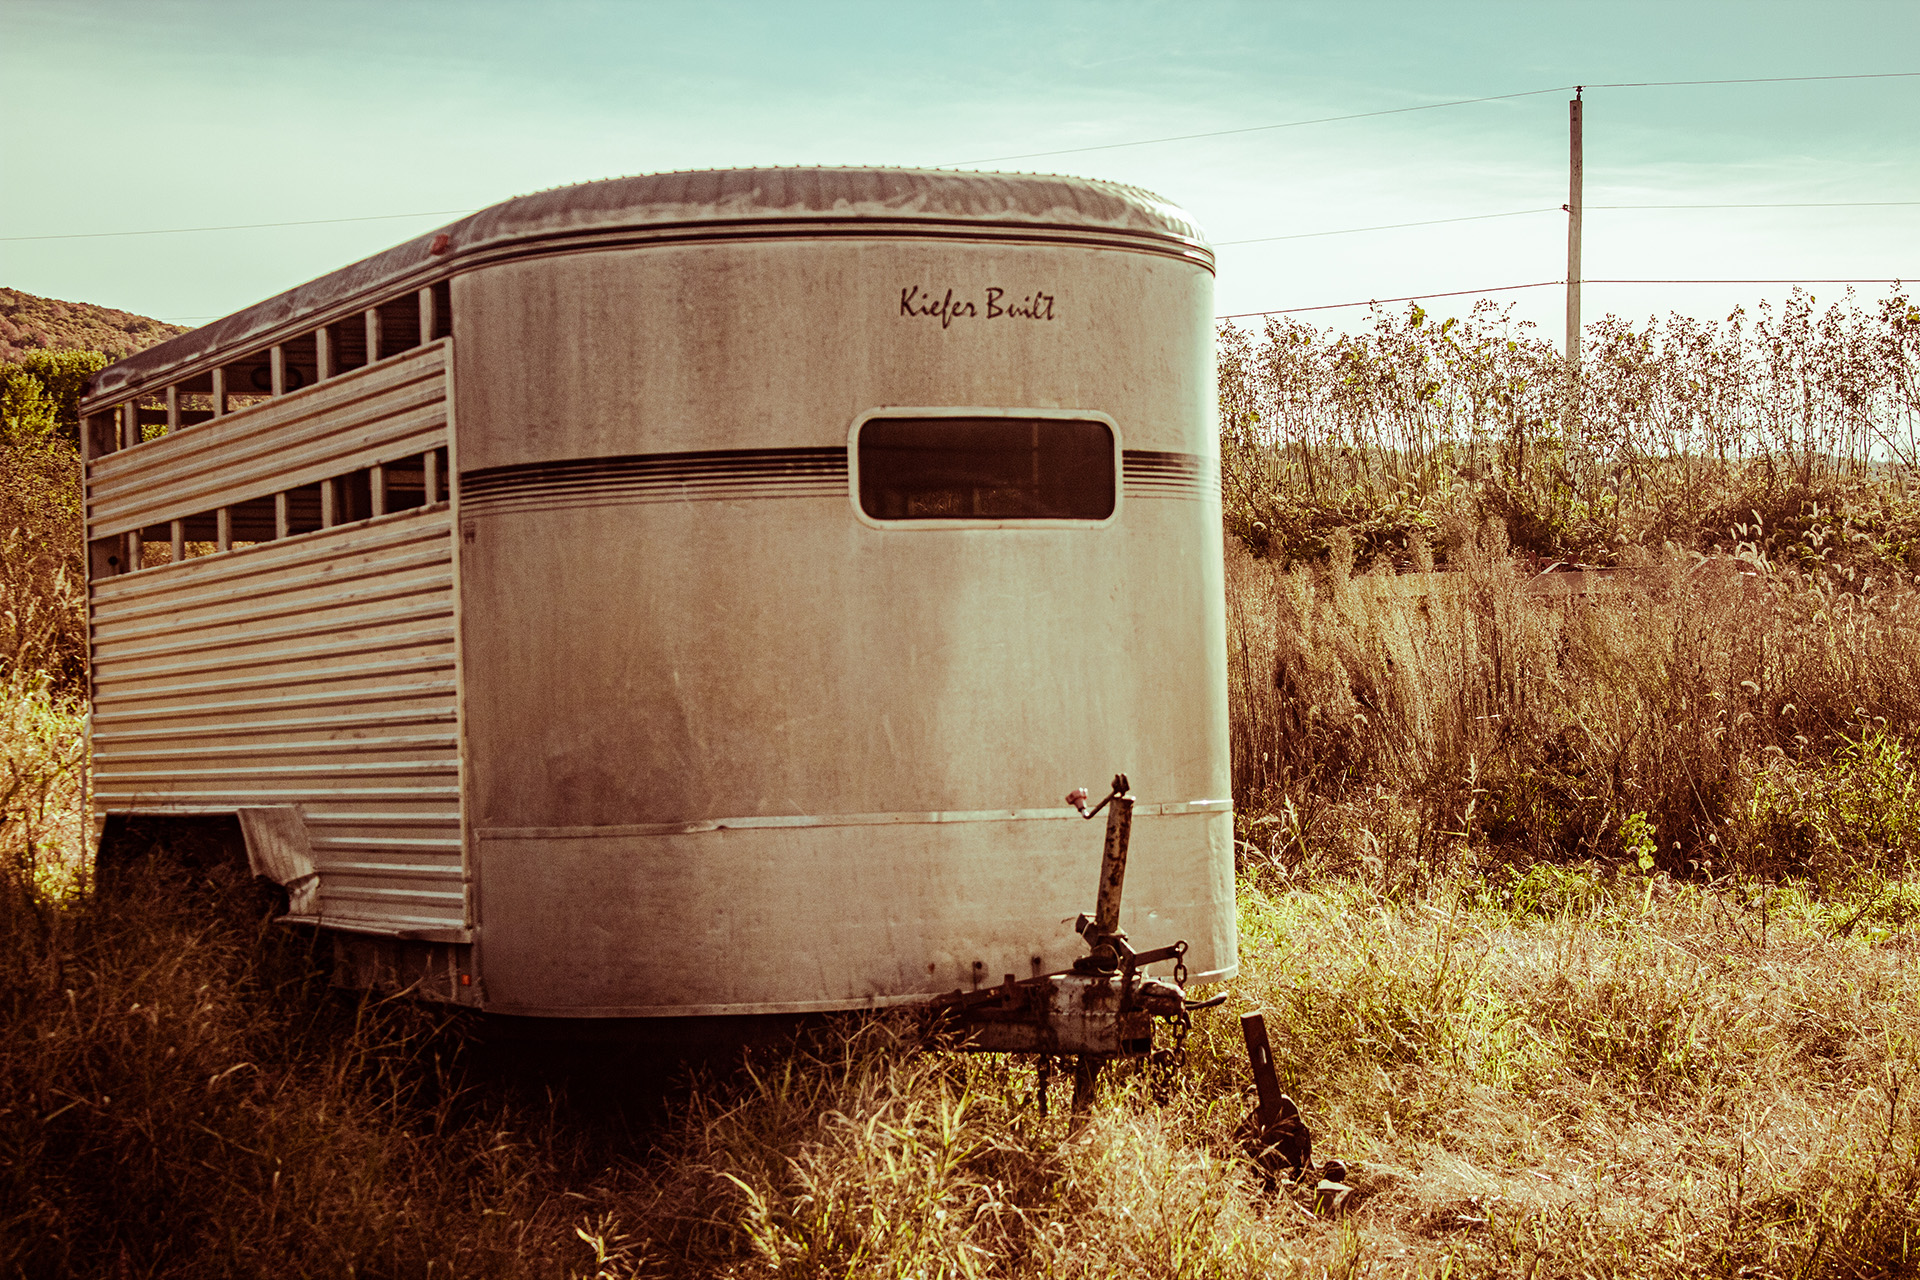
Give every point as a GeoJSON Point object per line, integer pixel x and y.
{"type": "Point", "coordinates": [1575, 182]}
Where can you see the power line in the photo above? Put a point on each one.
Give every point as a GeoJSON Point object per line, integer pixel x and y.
{"type": "Point", "coordinates": [1390, 226]}
{"type": "Point", "coordinates": [1370, 302]}
{"type": "Point", "coordinates": [1661, 84]}
{"type": "Point", "coordinates": [1256, 128]}
{"type": "Point", "coordinates": [1802, 280]}
{"type": "Point", "coordinates": [1510, 288]}
{"type": "Point", "coordinates": [1516, 213]}
{"type": "Point", "coordinates": [1796, 204]}
{"type": "Point", "coordinates": [1426, 106]}
{"type": "Point", "coordinates": [241, 226]}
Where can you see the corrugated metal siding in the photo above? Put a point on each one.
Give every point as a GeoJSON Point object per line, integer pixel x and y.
{"type": "Point", "coordinates": [379, 413]}
{"type": "Point", "coordinates": [317, 671]}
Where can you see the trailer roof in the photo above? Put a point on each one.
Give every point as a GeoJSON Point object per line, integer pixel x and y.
{"type": "Point", "coordinates": [652, 205]}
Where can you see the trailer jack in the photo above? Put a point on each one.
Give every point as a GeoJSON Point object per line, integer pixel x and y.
{"type": "Point", "coordinates": [1103, 1007]}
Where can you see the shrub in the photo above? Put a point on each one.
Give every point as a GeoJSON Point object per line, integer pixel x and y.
{"type": "Point", "coordinates": [42, 577]}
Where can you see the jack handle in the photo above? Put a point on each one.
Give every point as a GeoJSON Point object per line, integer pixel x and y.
{"type": "Point", "coordinates": [1078, 797]}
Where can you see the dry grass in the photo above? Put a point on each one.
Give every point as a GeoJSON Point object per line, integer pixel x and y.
{"type": "Point", "coordinates": [1617, 1078]}
{"type": "Point", "coordinates": [179, 1095]}
{"type": "Point", "coordinates": [1571, 1070]}
{"type": "Point", "coordinates": [1578, 1074]}
{"type": "Point", "coordinates": [1586, 933]}
{"type": "Point", "coordinates": [1716, 716]}
{"type": "Point", "coordinates": [1627, 1076]}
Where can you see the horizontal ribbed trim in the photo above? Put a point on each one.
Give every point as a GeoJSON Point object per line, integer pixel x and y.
{"type": "Point", "coordinates": [657, 477]}
{"type": "Point", "coordinates": [732, 474]}
{"type": "Point", "coordinates": [1152, 473]}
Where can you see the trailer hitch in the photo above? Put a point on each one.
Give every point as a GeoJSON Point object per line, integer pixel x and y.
{"type": "Point", "coordinates": [1101, 1008]}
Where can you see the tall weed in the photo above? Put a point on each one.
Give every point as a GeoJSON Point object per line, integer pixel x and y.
{"type": "Point", "coordinates": [1671, 431]}
{"type": "Point", "coordinates": [1746, 715]}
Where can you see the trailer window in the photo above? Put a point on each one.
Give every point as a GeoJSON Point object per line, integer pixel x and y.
{"type": "Point", "coordinates": [196, 400]}
{"type": "Point", "coordinates": [963, 468]}
{"type": "Point", "coordinates": [352, 497]}
{"type": "Point", "coordinates": [407, 480]}
{"type": "Point", "coordinates": [156, 547]}
{"type": "Point", "coordinates": [303, 509]}
{"type": "Point", "coordinates": [443, 310]}
{"type": "Point", "coordinates": [252, 521]}
{"type": "Point", "coordinates": [347, 345]}
{"type": "Point", "coordinates": [399, 325]}
{"type": "Point", "coordinates": [302, 363]}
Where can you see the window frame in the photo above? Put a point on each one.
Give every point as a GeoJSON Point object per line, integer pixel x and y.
{"type": "Point", "coordinates": [980, 411]}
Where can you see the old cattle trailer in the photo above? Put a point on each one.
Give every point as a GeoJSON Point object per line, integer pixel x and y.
{"type": "Point", "coordinates": [689, 595]}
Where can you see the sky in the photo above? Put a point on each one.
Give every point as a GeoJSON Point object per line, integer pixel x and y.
{"type": "Point", "coordinates": [144, 115]}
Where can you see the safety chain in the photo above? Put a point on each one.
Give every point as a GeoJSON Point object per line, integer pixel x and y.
{"type": "Point", "coordinates": [1164, 1066]}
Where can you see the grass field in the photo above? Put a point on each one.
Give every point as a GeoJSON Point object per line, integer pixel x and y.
{"type": "Point", "coordinates": [1586, 932]}
{"type": "Point", "coordinates": [1567, 1072]}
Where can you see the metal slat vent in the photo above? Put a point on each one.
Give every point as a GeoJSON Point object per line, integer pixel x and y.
{"type": "Point", "coordinates": [316, 672]}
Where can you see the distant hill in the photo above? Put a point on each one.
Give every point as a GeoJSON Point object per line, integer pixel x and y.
{"type": "Point", "coordinates": [28, 323]}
